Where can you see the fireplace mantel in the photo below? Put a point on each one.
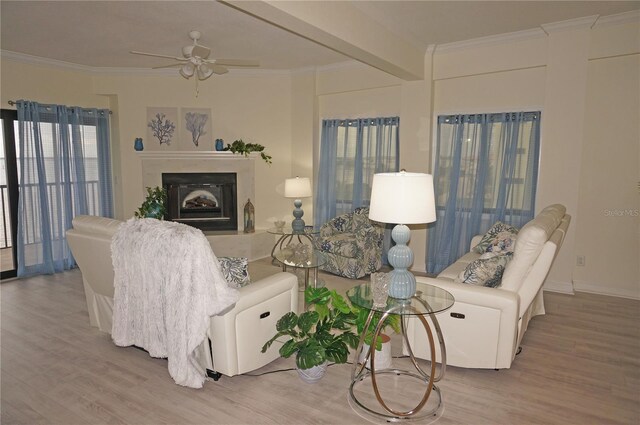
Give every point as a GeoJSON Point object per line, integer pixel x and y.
{"type": "Point", "coordinates": [224, 155]}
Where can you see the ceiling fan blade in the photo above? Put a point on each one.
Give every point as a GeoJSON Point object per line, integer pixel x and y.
{"type": "Point", "coordinates": [234, 62]}
{"type": "Point", "coordinates": [219, 69]}
{"type": "Point", "coordinates": [168, 66]}
{"type": "Point", "coordinates": [157, 55]}
{"type": "Point", "coordinates": [200, 51]}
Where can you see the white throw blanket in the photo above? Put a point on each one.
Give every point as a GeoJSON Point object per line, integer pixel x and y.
{"type": "Point", "coordinates": [167, 285]}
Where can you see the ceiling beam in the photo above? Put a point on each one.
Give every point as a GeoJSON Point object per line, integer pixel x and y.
{"type": "Point", "coordinates": [341, 27]}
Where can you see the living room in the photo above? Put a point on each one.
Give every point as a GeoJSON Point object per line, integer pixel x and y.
{"type": "Point", "coordinates": [581, 71]}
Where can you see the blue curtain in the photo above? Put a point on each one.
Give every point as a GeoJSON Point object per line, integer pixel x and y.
{"type": "Point", "coordinates": [64, 170]}
{"type": "Point", "coordinates": [486, 169]}
{"type": "Point", "coordinates": [351, 152]}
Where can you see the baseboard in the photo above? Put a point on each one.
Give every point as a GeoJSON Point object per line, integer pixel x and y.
{"type": "Point", "coordinates": [594, 288]}
{"type": "Point", "coordinates": [556, 286]}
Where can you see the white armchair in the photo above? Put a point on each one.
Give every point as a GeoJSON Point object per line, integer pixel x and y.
{"type": "Point", "coordinates": [235, 336]}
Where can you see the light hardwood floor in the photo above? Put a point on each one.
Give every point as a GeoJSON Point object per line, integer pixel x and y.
{"type": "Point", "coordinates": [579, 365]}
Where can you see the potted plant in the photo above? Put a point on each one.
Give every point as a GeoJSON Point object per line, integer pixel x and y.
{"type": "Point", "coordinates": [383, 342]}
{"type": "Point", "coordinates": [321, 334]}
{"type": "Point", "coordinates": [154, 205]}
{"type": "Point", "coordinates": [240, 147]}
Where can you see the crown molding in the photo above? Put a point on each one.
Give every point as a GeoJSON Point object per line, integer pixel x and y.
{"type": "Point", "coordinates": [37, 60]}
{"type": "Point", "coordinates": [544, 30]}
{"type": "Point", "coordinates": [570, 24]}
{"type": "Point", "coordinates": [119, 71]}
{"type": "Point", "coordinates": [490, 40]}
{"type": "Point", "coordinates": [620, 18]}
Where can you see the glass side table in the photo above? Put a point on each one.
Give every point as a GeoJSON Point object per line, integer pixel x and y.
{"type": "Point", "coordinates": [288, 235]}
{"type": "Point", "coordinates": [303, 257]}
{"type": "Point", "coordinates": [427, 301]}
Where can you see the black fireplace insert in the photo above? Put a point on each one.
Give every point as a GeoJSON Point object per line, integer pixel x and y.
{"type": "Point", "coordinates": [203, 200]}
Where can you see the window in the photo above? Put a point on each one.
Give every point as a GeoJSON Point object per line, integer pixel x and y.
{"type": "Point", "coordinates": [64, 170]}
{"type": "Point", "coordinates": [352, 151]}
{"type": "Point", "coordinates": [484, 148]}
{"type": "Point", "coordinates": [486, 169]}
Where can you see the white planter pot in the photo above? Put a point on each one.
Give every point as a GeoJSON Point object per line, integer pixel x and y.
{"type": "Point", "coordinates": [383, 357]}
{"type": "Point", "coordinates": [314, 374]}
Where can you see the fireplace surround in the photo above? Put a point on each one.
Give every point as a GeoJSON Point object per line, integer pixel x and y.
{"type": "Point", "coordinates": [230, 243]}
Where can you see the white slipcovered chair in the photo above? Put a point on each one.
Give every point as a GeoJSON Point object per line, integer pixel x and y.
{"type": "Point", "coordinates": [235, 336]}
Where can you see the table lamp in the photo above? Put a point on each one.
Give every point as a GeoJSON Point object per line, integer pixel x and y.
{"type": "Point", "coordinates": [298, 187]}
{"type": "Point", "coordinates": [402, 198]}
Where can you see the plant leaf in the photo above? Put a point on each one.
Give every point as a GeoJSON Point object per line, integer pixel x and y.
{"type": "Point", "coordinates": [287, 322]}
{"type": "Point", "coordinates": [393, 320]}
{"type": "Point", "coordinates": [267, 344]}
{"type": "Point", "coordinates": [310, 354]}
{"type": "Point", "coordinates": [323, 310]}
{"type": "Point", "coordinates": [317, 296]}
{"type": "Point", "coordinates": [337, 352]}
{"type": "Point", "coordinates": [307, 320]}
{"type": "Point", "coordinates": [288, 348]}
{"type": "Point", "coordinates": [324, 338]}
{"type": "Point", "coordinates": [338, 302]}
{"type": "Point", "coordinates": [350, 339]}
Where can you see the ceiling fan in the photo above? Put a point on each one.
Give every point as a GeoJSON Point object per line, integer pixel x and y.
{"type": "Point", "coordinates": [195, 60]}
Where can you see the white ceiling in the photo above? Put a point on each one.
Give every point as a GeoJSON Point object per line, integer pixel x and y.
{"type": "Point", "coordinates": [101, 33]}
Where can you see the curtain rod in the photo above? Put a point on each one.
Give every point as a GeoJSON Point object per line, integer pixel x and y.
{"type": "Point", "coordinates": [12, 103]}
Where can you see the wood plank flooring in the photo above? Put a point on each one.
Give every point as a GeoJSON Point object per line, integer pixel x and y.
{"type": "Point", "coordinates": [580, 364]}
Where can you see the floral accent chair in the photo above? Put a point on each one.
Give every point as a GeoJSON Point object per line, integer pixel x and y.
{"type": "Point", "coordinates": [352, 244]}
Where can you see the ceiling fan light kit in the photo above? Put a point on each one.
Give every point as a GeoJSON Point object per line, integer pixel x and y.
{"type": "Point", "coordinates": [187, 70]}
{"type": "Point", "coordinates": [195, 61]}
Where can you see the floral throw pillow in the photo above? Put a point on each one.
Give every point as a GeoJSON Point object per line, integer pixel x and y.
{"type": "Point", "coordinates": [486, 270]}
{"type": "Point", "coordinates": [235, 270]}
{"type": "Point", "coordinates": [499, 238]}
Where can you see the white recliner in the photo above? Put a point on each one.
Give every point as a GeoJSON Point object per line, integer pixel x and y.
{"type": "Point", "coordinates": [235, 336]}
{"type": "Point", "coordinates": [485, 326]}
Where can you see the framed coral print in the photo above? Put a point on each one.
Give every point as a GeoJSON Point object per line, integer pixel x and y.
{"type": "Point", "coordinates": [196, 131]}
{"type": "Point", "coordinates": [162, 129]}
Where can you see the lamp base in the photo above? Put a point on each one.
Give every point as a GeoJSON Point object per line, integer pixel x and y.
{"type": "Point", "coordinates": [402, 283]}
{"type": "Point", "coordinates": [298, 223]}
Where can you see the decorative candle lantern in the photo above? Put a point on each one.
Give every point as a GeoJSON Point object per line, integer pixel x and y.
{"type": "Point", "coordinates": [249, 217]}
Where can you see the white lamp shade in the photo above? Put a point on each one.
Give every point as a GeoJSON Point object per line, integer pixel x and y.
{"type": "Point", "coordinates": [298, 187]}
{"type": "Point", "coordinates": [402, 198]}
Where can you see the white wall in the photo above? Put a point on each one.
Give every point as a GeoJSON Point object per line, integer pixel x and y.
{"type": "Point", "coordinates": [249, 107]}
{"type": "Point", "coordinates": [585, 81]}
{"type": "Point", "coordinates": [608, 232]}
{"type": "Point", "coordinates": [47, 84]}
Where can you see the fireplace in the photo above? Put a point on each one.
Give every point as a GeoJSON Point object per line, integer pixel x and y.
{"type": "Point", "coordinates": [207, 201]}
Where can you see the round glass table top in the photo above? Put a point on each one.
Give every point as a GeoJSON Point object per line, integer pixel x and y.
{"type": "Point", "coordinates": [427, 299]}
{"type": "Point", "coordinates": [303, 256]}
{"type": "Point", "coordinates": [287, 230]}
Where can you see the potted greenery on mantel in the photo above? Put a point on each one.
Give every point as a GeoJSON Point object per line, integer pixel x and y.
{"type": "Point", "coordinates": [242, 148]}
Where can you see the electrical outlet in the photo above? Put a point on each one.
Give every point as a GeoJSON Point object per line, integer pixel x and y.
{"type": "Point", "coordinates": [580, 261]}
